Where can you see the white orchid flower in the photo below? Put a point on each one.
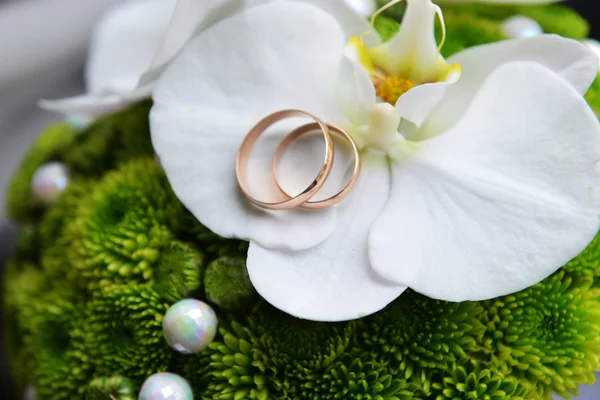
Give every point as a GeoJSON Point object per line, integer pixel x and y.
{"type": "Point", "coordinates": [136, 40]}
{"type": "Point", "coordinates": [471, 188]}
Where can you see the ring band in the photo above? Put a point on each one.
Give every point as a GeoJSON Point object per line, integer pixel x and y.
{"type": "Point", "coordinates": [250, 141]}
{"type": "Point", "coordinates": [295, 135]}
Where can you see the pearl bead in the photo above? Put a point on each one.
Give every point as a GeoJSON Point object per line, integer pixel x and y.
{"type": "Point", "coordinates": [30, 393]}
{"type": "Point", "coordinates": [521, 27]}
{"type": "Point", "coordinates": [78, 121]}
{"type": "Point", "coordinates": [189, 326]}
{"type": "Point", "coordinates": [166, 386]}
{"type": "Point", "coordinates": [49, 181]}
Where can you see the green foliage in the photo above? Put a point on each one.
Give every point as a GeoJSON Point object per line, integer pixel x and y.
{"type": "Point", "coordinates": [178, 271]}
{"type": "Point", "coordinates": [21, 205]}
{"type": "Point", "coordinates": [124, 331]}
{"type": "Point", "coordinates": [588, 262]}
{"type": "Point", "coordinates": [122, 225]}
{"type": "Point", "coordinates": [54, 338]}
{"type": "Point", "coordinates": [417, 336]}
{"type": "Point", "coordinates": [111, 388]}
{"type": "Point", "coordinates": [110, 141]}
{"type": "Point", "coordinates": [553, 18]}
{"type": "Point", "coordinates": [227, 284]}
{"type": "Point", "coordinates": [548, 334]}
{"type": "Point", "coordinates": [471, 381]}
{"type": "Point", "coordinates": [593, 96]}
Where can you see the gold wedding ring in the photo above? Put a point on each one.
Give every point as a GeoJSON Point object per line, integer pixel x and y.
{"type": "Point", "coordinates": [302, 199]}
{"type": "Point", "coordinates": [250, 141]}
{"type": "Point", "coordinates": [301, 131]}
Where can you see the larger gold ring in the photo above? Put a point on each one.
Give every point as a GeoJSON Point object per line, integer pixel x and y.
{"type": "Point", "coordinates": [295, 135]}
{"type": "Point", "coordinates": [250, 141]}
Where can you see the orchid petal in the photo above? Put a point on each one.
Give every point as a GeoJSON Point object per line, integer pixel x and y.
{"type": "Point", "coordinates": [416, 104]}
{"type": "Point", "coordinates": [568, 58]}
{"type": "Point", "coordinates": [502, 200]}
{"type": "Point", "coordinates": [279, 55]}
{"type": "Point", "coordinates": [332, 281]}
{"type": "Point", "coordinates": [189, 18]}
{"type": "Point", "coordinates": [124, 44]}
{"type": "Point", "coordinates": [413, 52]}
{"type": "Point", "coordinates": [357, 93]}
{"type": "Point", "coordinates": [95, 105]}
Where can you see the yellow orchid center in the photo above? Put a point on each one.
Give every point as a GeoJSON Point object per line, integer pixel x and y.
{"type": "Point", "coordinates": [391, 88]}
{"type": "Point", "coordinates": [411, 58]}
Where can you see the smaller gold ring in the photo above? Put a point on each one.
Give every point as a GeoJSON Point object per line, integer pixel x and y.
{"type": "Point", "coordinates": [250, 141]}
{"type": "Point", "coordinates": [295, 135]}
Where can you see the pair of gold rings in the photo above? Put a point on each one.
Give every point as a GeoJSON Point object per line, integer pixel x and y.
{"type": "Point", "coordinates": [303, 199]}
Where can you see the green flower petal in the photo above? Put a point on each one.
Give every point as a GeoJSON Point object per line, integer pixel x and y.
{"type": "Point", "coordinates": [416, 334]}
{"type": "Point", "coordinates": [548, 335]}
{"type": "Point", "coordinates": [123, 332]}
{"type": "Point", "coordinates": [228, 285]}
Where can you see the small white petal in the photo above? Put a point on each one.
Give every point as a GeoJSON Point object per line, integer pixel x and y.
{"type": "Point", "coordinates": [124, 44]}
{"type": "Point", "coordinates": [500, 201]}
{"type": "Point", "coordinates": [520, 26]}
{"type": "Point", "coordinates": [189, 18]}
{"type": "Point", "coordinates": [270, 57]}
{"type": "Point", "coordinates": [416, 104]}
{"type": "Point", "coordinates": [352, 22]}
{"type": "Point", "coordinates": [332, 281]}
{"type": "Point", "coordinates": [356, 91]}
{"type": "Point", "coordinates": [570, 59]}
{"type": "Point", "coordinates": [95, 105]}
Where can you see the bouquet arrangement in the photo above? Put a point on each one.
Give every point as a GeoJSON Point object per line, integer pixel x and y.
{"type": "Point", "coordinates": [459, 261]}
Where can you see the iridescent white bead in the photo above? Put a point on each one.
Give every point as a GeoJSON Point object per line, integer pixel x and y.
{"type": "Point", "coordinates": [520, 26]}
{"type": "Point", "coordinates": [30, 393]}
{"type": "Point", "coordinates": [189, 326]}
{"type": "Point", "coordinates": [78, 120]}
{"type": "Point", "coordinates": [166, 386]}
{"type": "Point", "coordinates": [49, 181]}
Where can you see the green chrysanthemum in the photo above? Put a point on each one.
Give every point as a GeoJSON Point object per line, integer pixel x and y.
{"type": "Point", "coordinates": [55, 336]}
{"type": "Point", "coordinates": [111, 141]}
{"type": "Point", "coordinates": [227, 284]}
{"type": "Point", "coordinates": [22, 285]}
{"type": "Point", "coordinates": [471, 381]}
{"type": "Point", "coordinates": [123, 224]}
{"type": "Point", "coordinates": [54, 228]}
{"type": "Point", "coordinates": [549, 334]}
{"type": "Point", "coordinates": [49, 145]}
{"type": "Point", "coordinates": [353, 378]}
{"type": "Point", "coordinates": [111, 388]}
{"type": "Point", "coordinates": [178, 271]}
{"type": "Point", "coordinates": [588, 262]}
{"type": "Point", "coordinates": [268, 355]}
{"type": "Point", "coordinates": [124, 331]}
{"type": "Point", "coordinates": [416, 335]}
